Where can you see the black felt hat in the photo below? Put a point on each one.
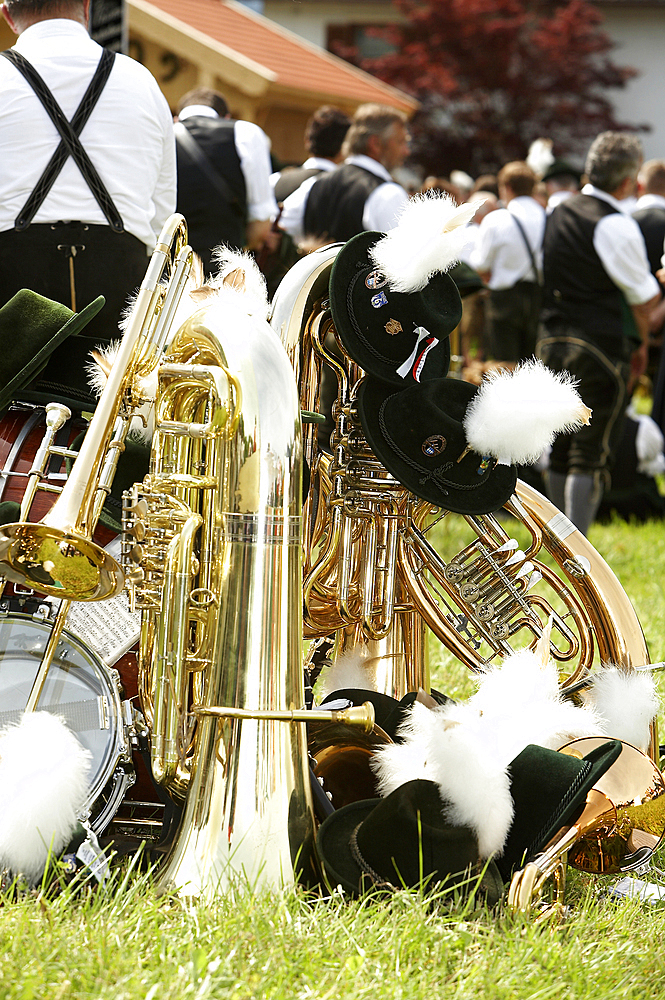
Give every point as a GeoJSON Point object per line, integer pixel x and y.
{"type": "Point", "coordinates": [402, 841]}
{"type": "Point", "coordinates": [389, 713]}
{"type": "Point", "coordinates": [419, 436]}
{"type": "Point", "coordinates": [549, 789]}
{"type": "Point", "coordinates": [400, 337]}
{"type": "Point", "coordinates": [561, 168]}
{"type": "Point", "coordinates": [31, 328]}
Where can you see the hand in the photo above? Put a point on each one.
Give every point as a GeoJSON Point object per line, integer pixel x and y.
{"type": "Point", "coordinates": [638, 361]}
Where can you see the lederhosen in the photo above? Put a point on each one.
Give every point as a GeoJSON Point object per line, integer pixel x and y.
{"type": "Point", "coordinates": [71, 262]}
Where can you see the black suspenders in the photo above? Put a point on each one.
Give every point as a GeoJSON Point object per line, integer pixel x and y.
{"type": "Point", "coordinates": [70, 144]}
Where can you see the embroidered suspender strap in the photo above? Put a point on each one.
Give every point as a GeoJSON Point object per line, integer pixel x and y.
{"type": "Point", "coordinates": [528, 246]}
{"type": "Point", "coordinates": [195, 153]}
{"type": "Point", "coordinates": [70, 144]}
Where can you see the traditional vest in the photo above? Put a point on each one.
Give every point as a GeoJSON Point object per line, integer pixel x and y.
{"type": "Point", "coordinates": [210, 218]}
{"type": "Point", "coordinates": [652, 223]}
{"type": "Point", "coordinates": [335, 204]}
{"type": "Point", "coordinates": [577, 289]}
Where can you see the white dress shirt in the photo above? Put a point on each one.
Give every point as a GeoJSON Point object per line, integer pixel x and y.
{"type": "Point", "coordinates": [500, 248]}
{"type": "Point", "coordinates": [253, 149]}
{"type": "Point", "coordinates": [293, 210]}
{"type": "Point", "coordinates": [386, 202]}
{"type": "Point", "coordinates": [128, 137]}
{"type": "Point", "coordinates": [649, 201]}
{"type": "Point", "coordinates": [618, 241]}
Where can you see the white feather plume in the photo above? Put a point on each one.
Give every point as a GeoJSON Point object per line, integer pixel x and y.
{"type": "Point", "coordinates": [515, 415]}
{"type": "Point", "coordinates": [238, 270]}
{"type": "Point", "coordinates": [43, 785]}
{"type": "Point", "coordinates": [429, 237]}
{"type": "Point", "coordinates": [626, 703]}
{"type": "Point", "coordinates": [350, 670]}
{"type": "Point", "coordinates": [466, 748]}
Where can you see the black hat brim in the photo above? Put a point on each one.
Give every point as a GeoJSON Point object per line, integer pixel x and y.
{"type": "Point", "coordinates": [488, 496]}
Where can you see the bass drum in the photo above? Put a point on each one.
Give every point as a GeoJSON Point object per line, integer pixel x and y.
{"type": "Point", "coordinates": [80, 689]}
{"type": "Point", "coordinates": [123, 800]}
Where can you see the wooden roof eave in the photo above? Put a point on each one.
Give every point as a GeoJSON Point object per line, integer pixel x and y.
{"type": "Point", "coordinates": [212, 56]}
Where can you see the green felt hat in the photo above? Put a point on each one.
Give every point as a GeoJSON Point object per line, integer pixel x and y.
{"type": "Point", "coordinates": [419, 436]}
{"type": "Point", "coordinates": [401, 841]}
{"type": "Point", "coordinates": [31, 327]}
{"type": "Point", "coordinates": [549, 789]}
{"type": "Point", "coordinates": [400, 337]}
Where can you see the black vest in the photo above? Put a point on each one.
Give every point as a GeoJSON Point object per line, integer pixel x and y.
{"type": "Point", "coordinates": [577, 289]}
{"type": "Point", "coordinates": [210, 219]}
{"type": "Point", "coordinates": [335, 204]}
{"type": "Point", "coordinates": [652, 223]}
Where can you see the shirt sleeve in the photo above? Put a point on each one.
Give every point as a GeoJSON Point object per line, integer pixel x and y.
{"type": "Point", "coordinates": [619, 243]}
{"type": "Point", "coordinates": [482, 256]}
{"type": "Point", "coordinates": [253, 148]}
{"type": "Point", "coordinates": [384, 207]}
{"type": "Point", "coordinates": [292, 219]}
{"type": "Point", "coordinates": [164, 196]}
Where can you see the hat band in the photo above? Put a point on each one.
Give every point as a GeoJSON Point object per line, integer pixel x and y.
{"type": "Point", "coordinates": [437, 474]}
{"type": "Point", "coordinates": [579, 779]}
{"type": "Point", "coordinates": [366, 868]}
{"type": "Point", "coordinates": [361, 337]}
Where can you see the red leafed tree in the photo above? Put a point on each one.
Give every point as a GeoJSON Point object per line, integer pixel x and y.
{"type": "Point", "coordinates": [493, 75]}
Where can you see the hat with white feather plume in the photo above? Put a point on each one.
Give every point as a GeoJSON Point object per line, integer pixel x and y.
{"type": "Point", "coordinates": [393, 305]}
{"type": "Point", "coordinates": [457, 445]}
{"type": "Point", "coordinates": [418, 434]}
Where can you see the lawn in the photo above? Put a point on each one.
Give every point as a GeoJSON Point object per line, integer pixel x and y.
{"type": "Point", "coordinates": [123, 942]}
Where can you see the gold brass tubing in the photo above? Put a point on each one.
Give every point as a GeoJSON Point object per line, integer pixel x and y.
{"type": "Point", "coordinates": [47, 658]}
{"type": "Point", "coordinates": [362, 716]}
{"type": "Point", "coordinates": [171, 684]}
{"type": "Point", "coordinates": [56, 416]}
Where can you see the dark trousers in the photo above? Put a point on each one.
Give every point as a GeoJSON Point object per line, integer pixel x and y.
{"type": "Point", "coordinates": [101, 263]}
{"type": "Point", "coordinates": [512, 316]}
{"type": "Point", "coordinates": [603, 382]}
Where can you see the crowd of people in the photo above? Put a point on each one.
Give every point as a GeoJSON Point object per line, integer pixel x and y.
{"type": "Point", "coordinates": [556, 265]}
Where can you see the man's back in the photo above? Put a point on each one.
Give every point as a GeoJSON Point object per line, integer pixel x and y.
{"type": "Point", "coordinates": [128, 136]}
{"type": "Point", "coordinates": [335, 205]}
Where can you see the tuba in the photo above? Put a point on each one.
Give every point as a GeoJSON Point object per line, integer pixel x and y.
{"type": "Point", "coordinates": [376, 572]}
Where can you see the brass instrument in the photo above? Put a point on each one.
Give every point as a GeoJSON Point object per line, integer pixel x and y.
{"type": "Point", "coordinates": [619, 828]}
{"type": "Point", "coordinates": [57, 556]}
{"type": "Point", "coordinates": [374, 575]}
{"type": "Point", "coordinates": [212, 550]}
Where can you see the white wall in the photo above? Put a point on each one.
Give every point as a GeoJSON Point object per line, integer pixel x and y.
{"type": "Point", "coordinates": [640, 33]}
{"type": "Point", "coordinates": [310, 20]}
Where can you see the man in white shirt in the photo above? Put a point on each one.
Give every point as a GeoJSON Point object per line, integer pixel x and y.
{"type": "Point", "coordinates": [650, 217]}
{"type": "Point", "coordinates": [597, 299]}
{"type": "Point", "coordinates": [361, 194]}
{"type": "Point", "coordinates": [75, 238]}
{"type": "Point", "coordinates": [508, 254]}
{"type": "Point", "coordinates": [561, 181]}
{"type": "Point", "coordinates": [324, 135]}
{"type": "Point", "coordinates": [224, 188]}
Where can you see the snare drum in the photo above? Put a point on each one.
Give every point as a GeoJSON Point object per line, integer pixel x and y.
{"type": "Point", "coordinates": [80, 689]}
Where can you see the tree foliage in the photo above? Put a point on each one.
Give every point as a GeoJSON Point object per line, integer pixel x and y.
{"type": "Point", "coordinates": [493, 75]}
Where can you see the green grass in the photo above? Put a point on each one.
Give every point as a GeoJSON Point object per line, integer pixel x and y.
{"type": "Point", "coordinates": [123, 942]}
